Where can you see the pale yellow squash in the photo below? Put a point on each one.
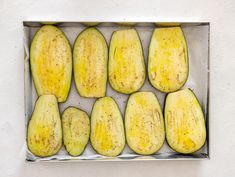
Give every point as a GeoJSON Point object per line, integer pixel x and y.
{"type": "Point", "coordinates": [90, 56]}
{"type": "Point", "coordinates": [185, 122]}
{"type": "Point", "coordinates": [168, 59]}
{"type": "Point", "coordinates": [76, 130]}
{"type": "Point", "coordinates": [107, 130]}
{"type": "Point", "coordinates": [51, 62]}
{"type": "Point", "coordinates": [144, 123]}
{"type": "Point", "coordinates": [126, 61]}
{"type": "Point", "coordinates": [44, 135]}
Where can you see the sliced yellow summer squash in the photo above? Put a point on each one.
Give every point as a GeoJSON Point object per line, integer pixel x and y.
{"type": "Point", "coordinates": [168, 59]}
{"type": "Point", "coordinates": [90, 56]}
{"type": "Point", "coordinates": [76, 130]}
{"type": "Point", "coordinates": [107, 130]}
{"type": "Point", "coordinates": [185, 123]}
{"type": "Point", "coordinates": [44, 135]}
{"type": "Point", "coordinates": [144, 123]}
{"type": "Point", "coordinates": [51, 62]}
{"type": "Point", "coordinates": [126, 61]}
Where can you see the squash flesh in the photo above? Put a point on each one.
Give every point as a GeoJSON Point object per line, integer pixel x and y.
{"type": "Point", "coordinates": [185, 123]}
{"type": "Point", "coordinates": [44, 136]}
{"type": "Point", "coordinates": [107, 130]}
{"type": "Point", "coordinates": [168, 59]}
{"type": "Point", "coordinates": [51, 62]}
{"type": "Point", "coordinates": [144, 123]}
{"type": "Point", "coordinates": [126, 61]}
{"type": "Point", "coordinates": [76, 130]}
{"type": "Point", "coordinates": [90, 63]}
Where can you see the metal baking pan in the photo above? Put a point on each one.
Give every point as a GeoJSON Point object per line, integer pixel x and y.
{"type": "Point", "coordinates": [197, 36]}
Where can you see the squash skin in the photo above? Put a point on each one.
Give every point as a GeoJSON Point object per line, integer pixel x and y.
{"type": "Point", "coordinates": [107, 129]}
{"type": "Point", "coordinates": [189, 130]}
{"type": "Point", "coordinates": [76, 130]}
{"type": "Point", "coordinates": [90, 60]}
{"type": "Point", "coordinates": [126, 66]}
{"type": "Point", "coordinates": [51, 62]}
{"type": "Point", "coordinates": [144, 123]}
{"type": "Point", "coordinates": [168, 66]}
{"type": "Point", "coordinates": [44, 133]}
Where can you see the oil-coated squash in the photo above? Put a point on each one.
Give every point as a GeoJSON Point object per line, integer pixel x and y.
{"type": "Point", "coordinates": [107, 130]}
{"type": "Point", "coordinates": [90, 56]}
{"type": "Point", "coordinates": [144, 123]}
{"type": "Point", "coordinates": [126, 61]}
{"type": "Point", "coordinates": [44, 135]}
{"type": "Point", "coordinates": [185, 123]}
{"type": "Point", "coordinates": [76, 130]}
{"type": "Point", "coordinates": [51, 62]}
{"type": "Point", "coordinates": [168, 59]}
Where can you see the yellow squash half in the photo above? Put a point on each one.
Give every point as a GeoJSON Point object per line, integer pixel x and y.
{"type": "Point", "coordinates": [185, 123]}
{"type": "Point", "coordinates": [76, 130]}
{"type": "Point", "coordinates": [144, 123]}
{"type": "Point", "coordinates": [44, 136]}
{"type": "Point", "coordinates": [168, 59]}
{"type": "Point", "coordinates": [90, 56]}
{"type": "Point", "coordinates": [126, 61]}
{"type": "Point", "coordinates": [107, 130]}
{"type": "Point", "coordinates": [51, 62]}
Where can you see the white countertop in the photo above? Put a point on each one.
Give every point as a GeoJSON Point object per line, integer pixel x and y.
{"type": "Point", "coordinates": [220, 13]}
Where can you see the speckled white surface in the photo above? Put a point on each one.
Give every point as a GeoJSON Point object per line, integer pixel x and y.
{"type": "Point", "coordinates": [220, 13]}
